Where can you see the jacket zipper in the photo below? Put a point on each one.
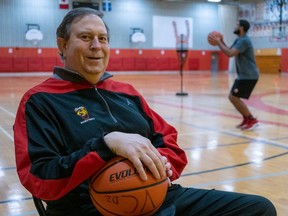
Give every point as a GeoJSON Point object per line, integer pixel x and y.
{"type": "Point", "coordinates": [107, 106]}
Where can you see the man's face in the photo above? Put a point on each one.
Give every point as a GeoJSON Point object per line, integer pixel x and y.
{"type": "Point", "coordinates": [237, 29]}
{"type": "Point", "coordinates": [87, 50]}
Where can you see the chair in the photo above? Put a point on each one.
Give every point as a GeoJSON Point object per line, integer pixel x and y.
{"type": "Point", "coordinates": [40, 206]}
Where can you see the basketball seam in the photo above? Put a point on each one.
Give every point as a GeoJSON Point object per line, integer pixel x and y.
{"type": "Point", "coordinates": [104, 168]}
{"type": "Point", "coordinates": [131, 189]}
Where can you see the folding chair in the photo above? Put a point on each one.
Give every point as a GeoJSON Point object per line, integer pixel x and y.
{"type": "Point", "coordinates": [40, 206]}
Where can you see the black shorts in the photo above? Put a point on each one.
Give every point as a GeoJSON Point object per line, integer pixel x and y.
{"type": "Point", "coordinates": [243, 88]}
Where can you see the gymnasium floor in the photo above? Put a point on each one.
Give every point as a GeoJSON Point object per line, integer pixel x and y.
{"type": "Point", "coordinates": [220, 156]}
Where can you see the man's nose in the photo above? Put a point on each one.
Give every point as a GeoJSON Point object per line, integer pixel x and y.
{"type": "Point", "coordinates": [95, 43]}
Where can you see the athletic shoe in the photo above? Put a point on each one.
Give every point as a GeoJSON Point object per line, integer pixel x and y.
{"type": "Point", "coordinates": [244, 122]}
{"type": "Point", "coordinates": [251, 124]}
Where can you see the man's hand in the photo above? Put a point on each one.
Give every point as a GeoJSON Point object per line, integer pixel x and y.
{"type": "Point", "coordinates": [230, 52]}
{"type": "Point", "coordinates": [169, 172]}
{"type": "Point", "coordinates": [140, 152]}
{"type": "Point", "coordinates": [217, 38]}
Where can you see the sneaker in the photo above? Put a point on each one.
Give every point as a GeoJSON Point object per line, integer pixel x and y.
{"type": "Point", "coordinates": [250, 124]}
{"type": "Point", "coordinates": [244, 122]}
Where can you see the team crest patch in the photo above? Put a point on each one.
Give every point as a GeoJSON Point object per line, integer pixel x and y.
{"type": "Point", "coordinates": [83, 113]}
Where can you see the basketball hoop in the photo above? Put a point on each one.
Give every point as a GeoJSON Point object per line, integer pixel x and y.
{"type": "Point", "coordinates": [279, 34]}
{"type": "Point", "coordinates": [138, 36]}
{"type": "Point", "coordinates": [34, 35]}
{"type": "Point", "coordinates": [277, 8]}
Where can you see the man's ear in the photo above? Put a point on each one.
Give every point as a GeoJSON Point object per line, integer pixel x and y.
{"type": "Point", "coordinates": [61, 43]}
{"type": "Point", "coordinates": [242, 28]}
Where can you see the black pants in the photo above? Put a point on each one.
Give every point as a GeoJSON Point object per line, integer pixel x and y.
{"type": "Point", "coordinates": [198, 202]}
{"type": "Point", "coordinates": [182, 201]}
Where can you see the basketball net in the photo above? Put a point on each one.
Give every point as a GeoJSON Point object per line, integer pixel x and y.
{"type": "Point", "coordinates": [35, 42]}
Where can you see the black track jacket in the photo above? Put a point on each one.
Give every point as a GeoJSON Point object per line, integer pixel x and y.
{"type": "Point", "coordinates": [59, 129]}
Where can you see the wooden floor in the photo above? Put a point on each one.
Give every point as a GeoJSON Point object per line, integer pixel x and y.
{"type": "Point", "coordinates": [220, 156]}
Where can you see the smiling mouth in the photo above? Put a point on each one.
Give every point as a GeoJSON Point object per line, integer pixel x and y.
{"type": "Point", "coordinates": [95, 58]}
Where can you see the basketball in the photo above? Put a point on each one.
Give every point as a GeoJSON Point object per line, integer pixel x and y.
{"type": "Point", "coordinates": [117, 189]}
{"type": "Point", "coordinates": [210, 40]}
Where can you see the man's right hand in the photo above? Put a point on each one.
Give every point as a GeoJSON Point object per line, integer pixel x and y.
{"type": "Point", "coordinates": [139, 150]}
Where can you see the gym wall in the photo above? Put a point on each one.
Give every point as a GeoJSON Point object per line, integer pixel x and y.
{"type": "Point", "coordinates": [125, 14]}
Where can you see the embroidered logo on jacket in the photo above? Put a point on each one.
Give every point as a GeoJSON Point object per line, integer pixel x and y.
{"type": "Point", "coordinates": [83, 113]}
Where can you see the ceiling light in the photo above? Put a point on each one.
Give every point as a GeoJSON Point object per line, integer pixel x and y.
{"type": "Point", "coordinates": [214, 0]}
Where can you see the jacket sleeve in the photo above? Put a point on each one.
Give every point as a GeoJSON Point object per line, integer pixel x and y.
{"type": "Point", "coordinates": [42, 168]}
{"type": "Point", "coordinates": [165, 140]}
{"type": "Point", "coordinates": [164, 136]}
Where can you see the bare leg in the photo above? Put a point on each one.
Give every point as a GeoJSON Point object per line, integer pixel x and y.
{"type": "Point", "coordinates": [249, 122]}
{"type": "Point", "coordinates": [240, 106]}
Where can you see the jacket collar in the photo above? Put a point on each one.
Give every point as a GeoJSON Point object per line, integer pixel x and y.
{"type": "Point", "coordinates": [72, 76]}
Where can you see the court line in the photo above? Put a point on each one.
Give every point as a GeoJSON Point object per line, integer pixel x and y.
{"type": "Point", "coordinates": [19, 200]}
{"type": "Point", "coordinates": [259, 104]}
{"type": "Point", "coordinates": [7, 168]}
{"type": "Point", "coordinates": [214, 183]}
{"type": "Point", "coordinates": [25, 213]}
{"type": "Point", "coordinates": [15, 200]}
{"type": "Point", "coordinates": [220, 168]}
{"type": "Point", "coordinates": [274, 143]}
{"type": "Point", "coordinates": [2, 129]}
{"type": "Point", "coordinates": [207, 111]}
{"type": "Point", "coordinates": [26, 74]}
{"type": "Point", "coordinates": [7, 111]}
{"type": "Point", "coordinates": [241, 179]}
{"type": "Point", "coordinates": [225, 145]}
{"type": "Point", "coordinates": [282, 138]}
{"type": "Point", "coordinates": [235, 134]}
{"type": "Point", "coordinates": [7, 134]}
{"type": "Point", "coordinates": [264, 141]}
{"type": "Point", "coordinates": [234, 166]}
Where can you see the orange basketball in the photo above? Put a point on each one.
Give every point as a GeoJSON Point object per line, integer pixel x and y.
{"type": "Point", "coordinates": [210, 40]}
{"type": "Point", "coordinates": [117, 189]}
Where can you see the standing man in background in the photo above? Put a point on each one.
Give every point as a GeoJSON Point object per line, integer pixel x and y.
{"type": "Point", "coordinates": [247, 72]}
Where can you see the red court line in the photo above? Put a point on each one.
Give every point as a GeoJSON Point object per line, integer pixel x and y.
{"type": "Point", "coordinates": [255, 102]}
